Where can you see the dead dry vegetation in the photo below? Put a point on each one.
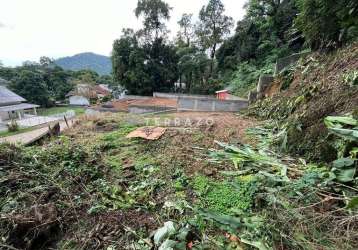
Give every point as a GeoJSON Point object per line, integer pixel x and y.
{"type": "Point", "coordinates": [216, 185]}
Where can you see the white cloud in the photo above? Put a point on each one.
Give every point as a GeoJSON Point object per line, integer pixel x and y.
{"type": "Point", "coordinates": [57, 28]}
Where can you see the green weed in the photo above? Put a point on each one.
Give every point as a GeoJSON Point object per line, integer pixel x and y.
{"type": "Point", "coordinates": [225, 197]}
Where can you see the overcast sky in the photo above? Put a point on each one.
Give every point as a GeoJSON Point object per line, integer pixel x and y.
{"type": "Point", "coordinates": [56, 28]}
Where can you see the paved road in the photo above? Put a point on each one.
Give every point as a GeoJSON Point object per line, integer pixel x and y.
{"type": "Point", "coordinates": [31, 136]}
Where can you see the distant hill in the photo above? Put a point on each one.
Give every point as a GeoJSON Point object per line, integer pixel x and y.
{"type": "Point", "coordinates": [99, 63]}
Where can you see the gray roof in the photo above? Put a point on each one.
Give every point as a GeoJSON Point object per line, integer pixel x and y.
{"type": "Point", "coordinates": [21, 106]}
{"type": "Point", "coordinates": [7, 96]}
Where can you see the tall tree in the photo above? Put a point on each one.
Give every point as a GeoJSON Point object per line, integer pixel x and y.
{"type": "Point", "coordinates": [57, 82]}
{"type": "Point", "coordinates": [186, 29]}
{"type": "Point", "coordinates": [194, 66]}
{"type": "Point", "coordinates": [142, 69]}
{"type": "Point", "coordinates": [154, 13]}
{"type": "Point", "coordinates": [214, 25]}
{"type": "Point", "coordinates": [32, 86]}
{"type": "Point", "coordinates": [328, 23]}
{"type": "Point", "coordinates": [46, 61]}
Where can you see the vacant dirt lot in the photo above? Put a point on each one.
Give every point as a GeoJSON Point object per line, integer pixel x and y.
{"type": "Point", "coordinates": [122, 105]}
{"type": "Point", "coordinates": [223, 126]}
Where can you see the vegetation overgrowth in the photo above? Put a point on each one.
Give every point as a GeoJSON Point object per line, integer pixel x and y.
{"type": "Point", "coordinates": [94, 188]}
{"type": "Point", "coordinates": [318, 86]}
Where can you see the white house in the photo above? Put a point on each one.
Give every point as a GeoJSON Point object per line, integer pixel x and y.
{"type": "Point", "coordinates": [13, 106]}
{"type": "Point", "coordinates": [83, 93]}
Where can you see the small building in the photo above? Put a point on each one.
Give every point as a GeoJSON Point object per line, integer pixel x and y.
{"type": "Point", "coordinates": [77, 100]}
{"type": "Point", "coordinates": [84, 93]}
{"type": "Point", "coordinates": [225, 94]}
{"type": "Point", "coordinates": [222, 94]}
{"type": "Point", "coordinates": [13, 106]}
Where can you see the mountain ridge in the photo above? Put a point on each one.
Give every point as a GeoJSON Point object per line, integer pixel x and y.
{"type": "Point", "coordinates": [87, 60]}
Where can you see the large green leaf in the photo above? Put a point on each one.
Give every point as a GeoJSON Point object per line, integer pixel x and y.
{"type": "Point", "coordinates": [343, 162]}
{"type": "Point", "coordinates": [346, 175]}
{"type": "Point", "coordinates": [245, 155]}
{"type": "Point", "coordinates": [168, 245]}
{"type": "Point", "coordinates": [341, 119]}
{"type": "Point", "coordinates": [257, 244]}
{"type": "Point", "coordinates": [164, 232]}
{"type": "Point", "coordinates": [349, 134]}
{"type": "Point", "coordinates": [230, 221]}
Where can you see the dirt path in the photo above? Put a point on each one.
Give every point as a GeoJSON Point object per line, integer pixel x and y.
{"type": "Point", "coordinates": [31, 136]}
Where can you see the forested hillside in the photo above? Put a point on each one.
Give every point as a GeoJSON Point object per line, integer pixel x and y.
{"type": "Point", "coordinates": [86, 61]}
{"type": "Point", "coordinates": [206, 58]}
{"type": "Point", "coordinates": [301, 97]}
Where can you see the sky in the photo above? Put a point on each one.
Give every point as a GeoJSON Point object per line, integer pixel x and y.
{"type": "Point", "coordinates": [30, 29]}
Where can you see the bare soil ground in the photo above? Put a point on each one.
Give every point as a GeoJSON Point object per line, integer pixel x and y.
{"type": "Point", "coordinates": [122, 105]}
{"type": "Point", "coordinates": [162, 102]}
{"type": "Point", "coordinates": [222, 126]}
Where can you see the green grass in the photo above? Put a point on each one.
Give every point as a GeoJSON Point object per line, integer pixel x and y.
{"type": "Point", "coordinates": [59, 110]}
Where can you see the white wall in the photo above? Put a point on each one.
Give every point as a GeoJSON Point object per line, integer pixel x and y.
{"type": "Point", "coordinates": [79, 101]}
{"type": "Point", "coordinates": [4, 116]}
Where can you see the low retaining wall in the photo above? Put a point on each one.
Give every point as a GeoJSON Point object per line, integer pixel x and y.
{"type": "Point", "coordinates": [210, 105]}
{"type": "Point", "coordinates": [141, 109]}
{"type": "Point", "coordinates": [177, 96]}
{"type": "Point", "coordinates": [138, 97]}
{"type": "Point", "coordinates": [264, 82]}
{"type": "Point", "coordinates": [285, 62]}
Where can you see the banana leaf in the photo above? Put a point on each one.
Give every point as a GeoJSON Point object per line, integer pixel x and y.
{"type": "Point", "coordinates": [245, 155]}
{"type": "Point", "coordinates": [331, 121]}
{"type": "Point", "coordinates": [348, 134]}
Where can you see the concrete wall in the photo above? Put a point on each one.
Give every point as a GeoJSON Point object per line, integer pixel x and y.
{"type": "Point", "coordinates": [3, 127]}
{"type": "Point", "coordinates": [4, 116]}
{"type": "Point", "coordinates": [234, 98]}
{"type": "Point", "coordinates": [285, 62]}
{"type": "Point", "coordinates": [210, 105]}
{"type": "Point", "coordinates": [252, 96]}
{"type": "Point", "coordinates": [135, 97]}
{"type": "Point", "coordinates": [177, 95]}
{"type": "Point", "coordinates": [138, 109]}
{"type": "Point", "coordinates": [264, 82]}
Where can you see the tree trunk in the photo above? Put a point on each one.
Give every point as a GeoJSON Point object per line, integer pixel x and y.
{"type": "Point", "coordinates": [213, 51]}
